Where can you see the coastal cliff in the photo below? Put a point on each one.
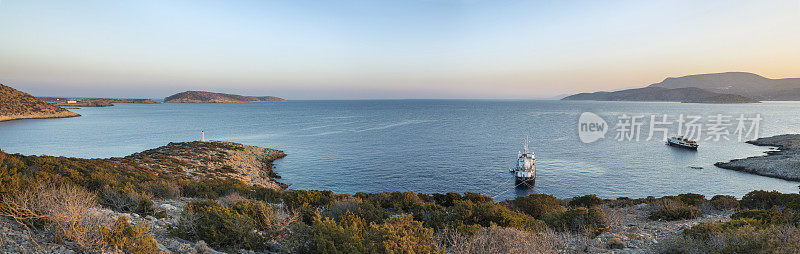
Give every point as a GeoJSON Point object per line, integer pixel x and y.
{"type": "Point", "coordinates": [783, 163]}
{"type": "Point", "coordinates": [15, 104]}
{"type": "Point", "coordinates": [209, 97]}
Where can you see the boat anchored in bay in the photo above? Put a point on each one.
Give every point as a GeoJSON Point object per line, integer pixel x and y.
{"type": "Point", "coordinates": [682, 142]}
{"type": "Point", "coordinates": [525, 170]}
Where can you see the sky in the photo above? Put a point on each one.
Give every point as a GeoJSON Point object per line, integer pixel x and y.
{"type": "Point", "coordinates": [384, 49]}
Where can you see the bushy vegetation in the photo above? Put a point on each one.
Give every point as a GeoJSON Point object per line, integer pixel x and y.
{"type": "Point", "coordinates": [229, 214]}
{"type": "Point", "coordinates": [768, 224]}
{"type": "Point", "coordinates": [577, 219]}
{"type": "Point", "coordinates": [671, 209]}
{"type": "Point", "coordinates": [586, 201]}
{"type": "Point", "coordinates": [129, 238]}
{"type": "Point", "coordinates": [723, 202]}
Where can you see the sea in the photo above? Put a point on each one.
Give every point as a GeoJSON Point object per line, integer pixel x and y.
{"type": "Point", "coordinates": [439, 146]}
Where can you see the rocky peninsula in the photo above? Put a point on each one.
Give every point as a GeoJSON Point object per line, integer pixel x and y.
{"type": "Point", "coordinates": [15, 104]}
{"type": "Point", "coordinates": [209, 97]}
{"type": "Point", "coordinates": [92, 102]}
{"type": "Point", "coordinates": [783, 163]}
{"type": "Point", "coordinates": [200, 160]}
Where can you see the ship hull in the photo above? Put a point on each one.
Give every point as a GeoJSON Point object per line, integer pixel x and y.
{"type": "Point", "coordinates": [527, 180]}
{"type": "Point", "coordinates": [694, 148]}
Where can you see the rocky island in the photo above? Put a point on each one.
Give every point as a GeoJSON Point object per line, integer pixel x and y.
{"type": "Point", "coordinates": [727, 87]}
{"type": "Point", "coordinates": [92, 102]}
{"type": "Point", "coordinates": [686, 95]}
{"type": "Point", "coordinates": [783, 163]}
{"type": "Point", "coordinates": [209, 97]}
{"type": "Point", "coordinates": [15, 104]}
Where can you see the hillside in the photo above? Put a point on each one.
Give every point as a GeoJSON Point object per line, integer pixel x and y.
{"type": "Point", "coordinates": [688, 94]}
{"type": "Point", "coordinates": [742, 83]}
{"type": "Point", "coordinates": [19, 105]}
{"type": "Point", "coordinates": [209, 97]}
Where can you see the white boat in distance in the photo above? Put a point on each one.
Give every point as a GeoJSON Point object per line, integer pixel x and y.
{"type": "Point", "coordinates": [682, 142]}
{"type": "Point", "coordinates": [525, 170]}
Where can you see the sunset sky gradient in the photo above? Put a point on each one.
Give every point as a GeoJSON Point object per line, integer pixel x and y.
{"type": "Point", "coordinates": [386, 49]}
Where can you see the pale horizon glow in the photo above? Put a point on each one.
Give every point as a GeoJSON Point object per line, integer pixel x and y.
{"type": "Point", "coordinates": [415, 49]}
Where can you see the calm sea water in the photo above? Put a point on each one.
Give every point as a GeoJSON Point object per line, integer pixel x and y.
{"type": "Point", "coordinates": [426, 145]}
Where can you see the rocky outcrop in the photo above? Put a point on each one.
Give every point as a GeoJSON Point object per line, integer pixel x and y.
{"type": "Point", "coordinates": [783, 163]}
{"type": "Point", "coordinates": [209, 97]}
{"type": "Point", "coordinates": [19, 105]}
{"type": "Point", "coordinates": [212, 160]}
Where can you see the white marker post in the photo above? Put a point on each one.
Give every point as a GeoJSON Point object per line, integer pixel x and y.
{"type": "Point", "coordinates": [203, 139]}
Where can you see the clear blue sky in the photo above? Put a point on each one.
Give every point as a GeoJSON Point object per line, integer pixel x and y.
{"type": "Point", "coordinates": [386, 49]}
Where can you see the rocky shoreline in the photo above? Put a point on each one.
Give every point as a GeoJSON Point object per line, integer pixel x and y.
{"type": "Point", "coordinates": [784, 163]}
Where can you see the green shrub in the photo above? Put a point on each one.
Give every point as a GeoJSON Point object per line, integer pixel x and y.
{"type": "Point", "coordinates": [773, 215]}
{"type": "Point", "coordinates": [586, 201]}
{"type": "Point", "coordinates": [477, 198]}
{"type": "Point", "coordinates": [577, 219]}
{"type": "Point", "coordinates": [260, 212]}
{"type": "Point", "coordinates": [764, 200]}
{"type": "Point", "coordinates": [219, 226]}
{"type": "Point", "coordinates": [128, 238]}
{"type": "Point", "coordinates": [624, 202]}
{"type": "Point", "coordinates": [669, 210]}
{"type": "Point", "coordinates": [724, 202]}
{"type": "Point", "coordinates": [741, 238]}
{"type": "Point", "coordinates": [446, 200]}
{"type": "Point", "coordinates": [537, 205]}
{"type": "Point", "coordinates": [400, 235]}
{"type": "Point", "coordinates": [703, 230]}
{"type": "Point", "coordinates": [163, 189]}
{"type": "Point", "coordinates": [692, 199]}
{"type": "Point", "coordinates": [127, 200]}
{"type": "Point", "coordinates": [488, 214]}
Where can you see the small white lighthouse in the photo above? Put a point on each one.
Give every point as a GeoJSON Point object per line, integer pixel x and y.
{"type": "Point", "coordinates": [203, 139]}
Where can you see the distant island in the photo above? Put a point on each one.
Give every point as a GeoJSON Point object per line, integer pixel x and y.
{"type": "Point", "coordinates": [209, 97]}
{"type": "Point", "coordinates": [19, 105]}
{"type": "Point", "coordinates": [92, 102]}
{"type": "Point", "coordinates": [728, 87]}
{"type": "Point", "coordinates": [688, 95]}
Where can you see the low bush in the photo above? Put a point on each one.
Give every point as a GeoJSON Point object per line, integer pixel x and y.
{"type": "Point", "coordinates": [127, 200]}
{"type": "Point", "coordinates": [219, 226]}
{"type": "Point", "coordinates": [766, 200]}
{"type": "Point", "coordinates": [773, 215]}
{"type": "Point", "coordinates": [669, 210]}
{"type": "Point", "coordinates": [537, 205]}
{"type": "Point", "coordinates": [578, 219]}
{"type": "Point", "coordinates": [724, 202]}
{"type": "Point", "coordinates": [129, 238]}
{"type": "Point", "coordinates": [745, 238]}
{"type": "Point", "coordinates": [163, 189]}
{"type": "Point", "coordinates": [400, 235]}
{"type": "Point", "coordinates": [447, 199]}
{"type": "Point", "coordinates": [692, 199]}
{"type": "Point", "coordinates": [586, 201]}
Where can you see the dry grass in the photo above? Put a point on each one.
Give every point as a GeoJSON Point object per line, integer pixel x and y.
{"type": "Point", "coordinates": [510, 240]}
{"type": "Point", "coordinates": [62, 209]}
{"type": "Point", "coordinates": [231, 198]}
